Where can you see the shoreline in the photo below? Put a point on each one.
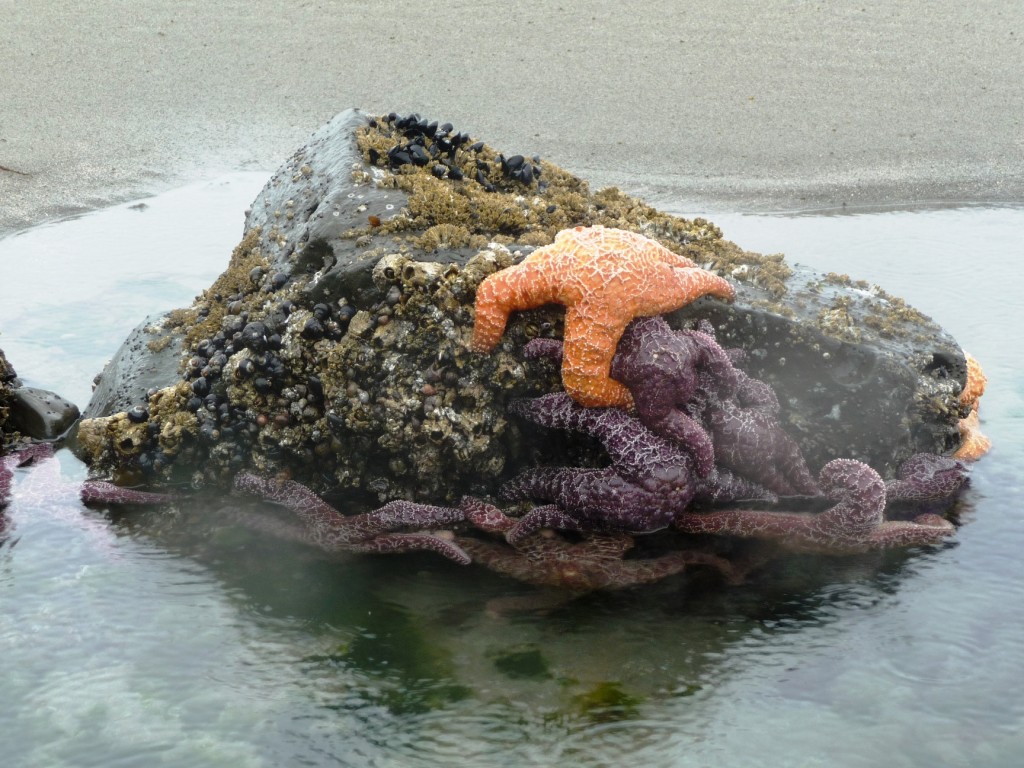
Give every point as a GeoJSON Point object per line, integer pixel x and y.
{"type": "Point", "coordinates": [714, 105]}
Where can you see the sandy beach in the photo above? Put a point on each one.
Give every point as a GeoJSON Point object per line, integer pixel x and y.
{"type": "Point", "coordinates": [776, 105]}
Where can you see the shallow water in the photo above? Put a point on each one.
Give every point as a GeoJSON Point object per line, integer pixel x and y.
{"type": "Point", "coordinates": [181, 637]}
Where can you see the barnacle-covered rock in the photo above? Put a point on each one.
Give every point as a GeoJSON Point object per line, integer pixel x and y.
{"type": "Point", "coordinates": [7, 376]}
{"type": "Point", "coordinates": [335, 346]}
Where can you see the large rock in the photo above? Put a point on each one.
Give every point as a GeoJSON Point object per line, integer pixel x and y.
{"type": "Point", "coordinates": [334, 346]}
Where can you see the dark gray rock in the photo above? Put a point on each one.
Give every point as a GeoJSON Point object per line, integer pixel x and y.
{"type": "Point", "coordinates": [28, 412]}
{"type": "Point", "coordinates": [874, 396]}
{"type": "Point", "coordinates": [40, 414]}
{"type": "Point", "coordinates": [364, 275]}
{"type": "Point", "coordinates": [148, 359]}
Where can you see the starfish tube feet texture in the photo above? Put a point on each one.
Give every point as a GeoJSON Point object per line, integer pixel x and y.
{"type": "Point", "coordinates": [605, 277]}
{"type": "Point", "coordinates": [853, 525]}
{"type": "Point", "coordinates": [377, 531]}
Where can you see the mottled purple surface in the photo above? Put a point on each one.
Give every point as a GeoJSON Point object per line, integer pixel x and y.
{"type": "Point", "coordinates": [396, 527]}
{"type": "Point", "coordinates": [650, 478]}
{"type": "Point", "coordinates": [90, 491]}
{"type": "Point", "coordinates": [856, 523]}
{"type": "Point", "coordinates": [687, 389]}
{"type": "Point", "coordinates": [927, 477]}
{"type": "Point", "coordinates": [546, 558]}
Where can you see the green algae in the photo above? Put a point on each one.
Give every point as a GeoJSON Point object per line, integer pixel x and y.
{"type": "Point", "coordinates": [607, 702]}
{"type": "Point", "coordinates": [522, 663]}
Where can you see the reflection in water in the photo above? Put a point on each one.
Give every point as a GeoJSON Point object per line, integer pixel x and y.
{"type": "Point", "coordinates": [205, 642]}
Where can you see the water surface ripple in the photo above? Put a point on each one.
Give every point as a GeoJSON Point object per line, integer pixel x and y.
{"type": "Point", "coordinates": [178, 637]}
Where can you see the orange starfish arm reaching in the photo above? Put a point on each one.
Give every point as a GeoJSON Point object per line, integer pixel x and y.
{"type": "Point", "coordinates": [605, 277]}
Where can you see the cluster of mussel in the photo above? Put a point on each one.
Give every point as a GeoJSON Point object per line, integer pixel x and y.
{"type": "Point", "coordinates": [447, 152]}
{"type": "Point", "coordinates": [247, 351]}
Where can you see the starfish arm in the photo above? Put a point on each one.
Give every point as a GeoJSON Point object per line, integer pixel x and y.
{"type": "Point", "coordinates": [332, 530]}
{"type": "Point", "coordinates": [484, 516]}
{"type": "Point", "coordinates": [921, 531]}
{"type": "Point", "coordinates": [409, 542]}
{"type": "Point", "coordinates": [748, 524]}
{"type": "Point", "coordinates": [599, 499]}
{"type": "Point", "coordinates": [503, 559]}
{"type": "Point", "coordinates": [723, 486]}
{"type": "Point", "coordinates": [623, 574]}
{"type": "Point", "coordinates": [754, 393]}
{"type": "Point", "coordinates": [619, 432]}
{"type": "Point", "coordinates": [973, 444]}
{"type": "Point", "coordinates": [846, 528]}
{"type": "Point", "coordinates": [548, 349]}
{"type": "Point", "coordinates": [523, 286]}
{"type": "Point", "coordinates": [590, 340]}
{"type": "Point", "coordinates": [714, 360]}
{"type": "Point", "coordinates": [536, 484]}
{"type": "Point", "coordinates": [927, 477]}
{"type": "Point", "coordinates": [548, 516]}
{"type": "Point", "coordinates": [692, 283]}
{"type": "Point", "coordinates": [101, 492]}
{"type": "Point", "coordinates": [753, 443]}
{"type": "Point", "coordinates": [688, 432]}
{"type": "Point", "coordinates": [974, 385]}
{"type": "Point", "coordinates": [859, 494]}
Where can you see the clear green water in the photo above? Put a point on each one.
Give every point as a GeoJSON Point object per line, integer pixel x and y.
{"type": "Point", "coordinates": [179, 637]}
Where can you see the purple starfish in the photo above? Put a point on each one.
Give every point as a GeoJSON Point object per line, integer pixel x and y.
{"type": "Point", "coordinates": [44, 490]}
{"type": "Point", "coordinates": [377, 531]}
{"type": "Point", "coordinates": [746, 432]}
{"type": "Point", "coordinates": [855, 524]}
{"type": "Point", "coordinates": [548, 559]}
{"type": "Point", "coordinates": [926, 477]}
{"type": "Point", "coordinates": [650, 478]}
{"type": "Point", "coordinates": [687, 388]}
{"type": "Point", "coordinates": [48, 485]}
{"type": "Point", "coordinates": [660, 366]}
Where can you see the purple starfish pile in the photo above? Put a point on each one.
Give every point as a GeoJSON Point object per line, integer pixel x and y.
{"type": "Point", "coordinates": [704, 444]}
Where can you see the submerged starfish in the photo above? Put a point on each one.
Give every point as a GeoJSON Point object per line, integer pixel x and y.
{"type": "Point", "coordinates": [548, 559]}
{"type": "Point", "coordinates": [650, 478]}
{"type": "Point", "coordinates": [605, 277]}
{"type": "Point", "coordinates": [377, 531]}
{"type": "Point", "coordinates": [44, 489]}
{"type": "Point", "coordinates": [855, 524]}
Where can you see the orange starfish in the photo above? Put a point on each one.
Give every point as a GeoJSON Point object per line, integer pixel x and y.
{"type": "Point", "coordinates": [973, 444]}
{"type": "Point", "coordinates": [605, 277]}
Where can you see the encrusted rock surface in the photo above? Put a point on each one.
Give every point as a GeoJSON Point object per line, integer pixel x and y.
{"type": "Point", "coordinates": [7, 376]}
{"type": "Point", "coordinates": [335, 345]}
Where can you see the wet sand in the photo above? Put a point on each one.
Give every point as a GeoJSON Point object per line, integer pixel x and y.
{"type": "Point", "coordinates": [788, 106]}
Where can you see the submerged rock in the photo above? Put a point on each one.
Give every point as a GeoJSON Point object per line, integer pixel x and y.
{"type": "Point", "coordinates": [335, 347]}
